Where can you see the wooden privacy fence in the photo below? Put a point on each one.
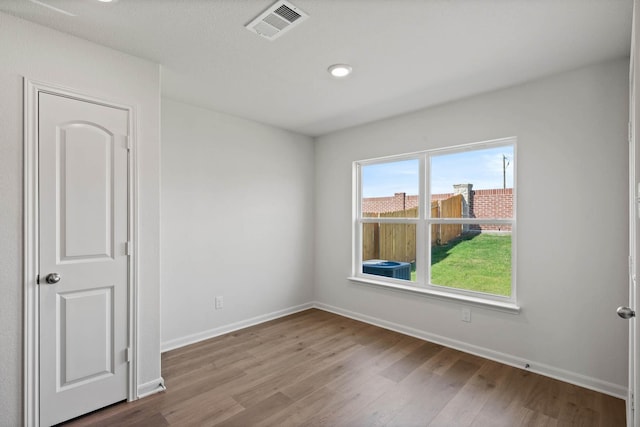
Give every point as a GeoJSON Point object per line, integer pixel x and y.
{"type": "Point", "coordinates": [397, 242]}
{"type": "Point", "coordinates": [448, 208]}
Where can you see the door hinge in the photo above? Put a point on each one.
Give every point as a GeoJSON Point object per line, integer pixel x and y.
{"type": "Point", "coordinates": [37, 279]}
{"type": "Point", "coordinates": [128, 248]}
{"type": "Point", "coordinates": [127, 354]}
{"type": "Point", "coordinates": [127, 142]}
{"type": "Point", "coordinates": [629, 132]}
{"type": "Point", "coordinates": [633, 402]}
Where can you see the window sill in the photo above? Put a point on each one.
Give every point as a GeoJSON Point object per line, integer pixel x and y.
{"type": "Point", "coordinates": [481, 302]}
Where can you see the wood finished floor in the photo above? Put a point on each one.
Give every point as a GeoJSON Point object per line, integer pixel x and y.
{"type": "Point", "coordinates": [319, 369]}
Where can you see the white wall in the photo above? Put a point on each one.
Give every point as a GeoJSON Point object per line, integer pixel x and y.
{"type": "Point", "coordinates": [572, 223]}
{"type": "Point", "coordinates": [237, 221]}
{"type": "Point", "coordinates": [35, 52]}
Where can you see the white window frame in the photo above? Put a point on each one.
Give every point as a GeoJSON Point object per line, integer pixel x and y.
{"type": "Point", "coordinates": [423, 229]}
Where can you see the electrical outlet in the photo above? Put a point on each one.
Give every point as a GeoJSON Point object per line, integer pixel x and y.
{"type": "Point", "coordinates": [466, 315]}
{"type": "Point", "coordinates": [219, 303]}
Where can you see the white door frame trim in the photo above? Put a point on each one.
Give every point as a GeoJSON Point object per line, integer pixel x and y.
{"type": "Point", "coordinates": [633, 418]}
{"type": "Point", "coordinates": [31, 355]}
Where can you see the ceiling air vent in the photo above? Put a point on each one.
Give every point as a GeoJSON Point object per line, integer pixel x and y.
{"type": "Point", "coordinates": [277, 20]}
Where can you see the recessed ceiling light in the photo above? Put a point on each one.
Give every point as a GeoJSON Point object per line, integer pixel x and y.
{"type": "Point", "coordinates": [340, 70]}
{"type": "Point", "coordinates": [106, 1]}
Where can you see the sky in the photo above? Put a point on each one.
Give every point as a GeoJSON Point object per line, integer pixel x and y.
{"type": "Point", "coordinates": [482, 168]}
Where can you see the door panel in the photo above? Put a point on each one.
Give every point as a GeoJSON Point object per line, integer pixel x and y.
{"type": "Point", "coordinates": [83, 230]}
{"type": "Point", "coordinates": [85, 327]}
{"type": "Point", "coordinates": [85, 194]}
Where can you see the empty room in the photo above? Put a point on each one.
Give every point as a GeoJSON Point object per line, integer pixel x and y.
{"type": "Point", "coordinates": [319, 212]}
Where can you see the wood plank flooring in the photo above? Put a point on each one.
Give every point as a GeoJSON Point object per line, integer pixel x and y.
{"type": "Point", "coordinates": [319, 369]}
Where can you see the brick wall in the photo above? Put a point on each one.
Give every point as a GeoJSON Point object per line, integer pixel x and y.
{"type": "Point", "coordinates": [494, 203]}
{"type": "Point", "coordinates": [397, 202]}
{"type": "Point", "coordinates": [497, 203]}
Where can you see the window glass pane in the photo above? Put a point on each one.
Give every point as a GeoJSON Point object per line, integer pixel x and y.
{"type": "Point", "coordinates": [473, 257]}
{"type": "Point", "coordinates": [389, 250]}
{"type": "Point", "coordinates": [391, 189]}
{"type": "Point", "coordinates": [473, 184]}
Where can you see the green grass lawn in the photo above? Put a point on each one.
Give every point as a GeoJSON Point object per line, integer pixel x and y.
{"type": "Point", "coordinates": [480, 262]}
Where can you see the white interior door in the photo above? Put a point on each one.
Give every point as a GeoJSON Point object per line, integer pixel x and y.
{"type": "Point", "coordinates": [83, 271]}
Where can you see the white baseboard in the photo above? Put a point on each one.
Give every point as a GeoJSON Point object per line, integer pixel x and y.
{"type": "Point", "coordinates": [151, 387]}
{"type": "Point", "coordinates": [211, 333]}
{"type": "Point", "coordinates": [539, 368]}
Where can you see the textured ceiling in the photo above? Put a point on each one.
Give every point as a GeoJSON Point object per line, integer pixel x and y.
{"type": "Point", "coordinates": [406, 54]}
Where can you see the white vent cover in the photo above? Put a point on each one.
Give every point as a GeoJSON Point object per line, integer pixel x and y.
{"type": "Point", "coordinates": [277, 20]}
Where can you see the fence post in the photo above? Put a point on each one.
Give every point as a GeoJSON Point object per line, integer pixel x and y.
{"type": "Point", "coordinates": [467, 202]}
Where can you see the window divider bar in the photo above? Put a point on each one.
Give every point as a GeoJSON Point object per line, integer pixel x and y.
{"type": "Point", "coordinates": [400, 220]}
{"type": "Point", "coordinates": [389, 220]}
{"type": "Point", "coordinates": [474, 221]}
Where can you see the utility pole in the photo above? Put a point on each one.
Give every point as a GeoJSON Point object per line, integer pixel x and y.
{"type": "Point", "coordinates": [505, 163]}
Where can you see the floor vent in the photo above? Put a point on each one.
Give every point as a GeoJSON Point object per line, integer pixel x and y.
{"type": "Point", "coordinates": [277, 20]}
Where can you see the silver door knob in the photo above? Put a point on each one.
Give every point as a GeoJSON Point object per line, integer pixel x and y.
{"type": "Point", "coordinates": [52, 278]}
{"type": "Point", "coordinates": [625, 312]}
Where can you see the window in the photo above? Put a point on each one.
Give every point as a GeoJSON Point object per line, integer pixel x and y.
{"type": "Point", "coordinates": [440, 222]}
